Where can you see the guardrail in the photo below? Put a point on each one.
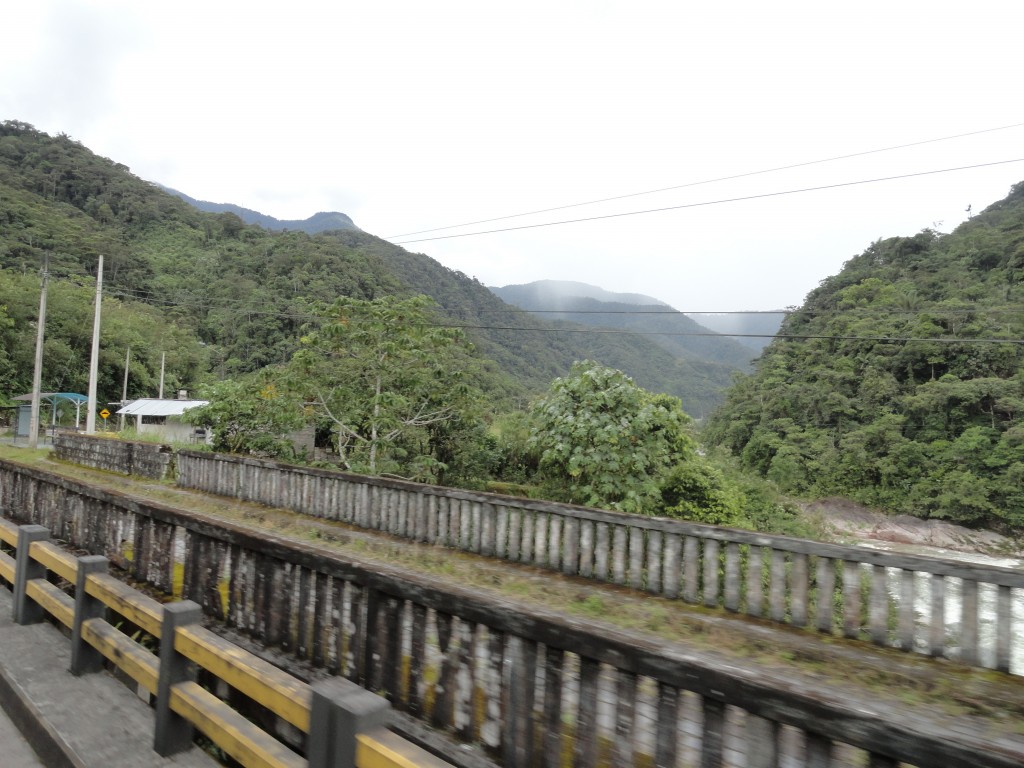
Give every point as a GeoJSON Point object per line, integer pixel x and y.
{"type": "Point", "coordinates": [529, 685]}
{"type": "Point", "coordinates": [849, 591]}
{"type": "Point", "coordinates": [343, 723]}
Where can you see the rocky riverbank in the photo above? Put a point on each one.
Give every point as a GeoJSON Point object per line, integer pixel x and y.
{"type": "Point", "coordinates": [850, 521]}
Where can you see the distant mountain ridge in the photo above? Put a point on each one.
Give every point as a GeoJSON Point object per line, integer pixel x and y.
{"type": "Point", "coordinates": [752, 330]}
{"type": "Point", "coordinates": [324, 221]}
{"type": "Point", "coordinates": [546, 294]}
{"type": "Point", "coordinates": [672, 330]}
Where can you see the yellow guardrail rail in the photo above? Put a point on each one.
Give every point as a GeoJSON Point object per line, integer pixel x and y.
{"type": "Point", "coordinates": [284, 695]}
{"type": "Point", "coordinates": [245, 742]}
{"type": "Point", "coordinates": [381, 748]}
{"type": "Point", "coordinates": [272, 688]}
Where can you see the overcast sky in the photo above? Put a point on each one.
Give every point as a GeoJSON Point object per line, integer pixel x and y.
{"type": "Point", "coordinates": [411, 116]}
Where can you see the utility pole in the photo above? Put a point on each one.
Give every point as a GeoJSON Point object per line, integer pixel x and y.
{"type": "Point", "coordinates": [94, 359]}
{"type": "Point", "coordinates": [163, 359]}
{"type": "Point", "coordinates": [37, 373]}
{"type": "Point", "coordinates": [124, 389]}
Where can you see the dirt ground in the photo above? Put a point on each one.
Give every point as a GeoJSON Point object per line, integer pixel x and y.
{"type": "Point", "coordinates": [849, 520]}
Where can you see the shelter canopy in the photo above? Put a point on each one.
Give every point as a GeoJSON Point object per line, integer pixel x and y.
{"type": "Point", "coordinates": [154, 407]}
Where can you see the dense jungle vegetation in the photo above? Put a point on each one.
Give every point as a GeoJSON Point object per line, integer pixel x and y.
{"type": "Point", "coordinates": [894, 388]}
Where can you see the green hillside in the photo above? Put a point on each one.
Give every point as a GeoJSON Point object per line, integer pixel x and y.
{"type": "Point", "coordinates": [235, 297]}
{"type": "Point", "coordinates": [895, 389]}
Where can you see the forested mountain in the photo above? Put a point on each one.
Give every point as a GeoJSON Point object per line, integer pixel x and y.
{"type": "Point", "coordinates": [677, 333]}
{"type": "Point", "coordinates": [907, 388]}
{"type": "Point", "coordinates": [318, 222]}
{"type": "Point", "coordinates": [229, 298]}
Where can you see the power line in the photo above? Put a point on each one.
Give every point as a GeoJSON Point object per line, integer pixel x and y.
{"type": "Point", "coordinates": [611, 332]}
{"type": "Point", "coordinates": [710, 181]}
{"type": "Point", "coordinates": [712, 202]}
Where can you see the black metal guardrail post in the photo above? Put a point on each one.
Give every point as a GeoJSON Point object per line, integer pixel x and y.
{"type": "Point", "coordinates": [85, 658]}
{"type": "Point", "coordinates": [26, 610]}
{"type": "Point", "coordinates": [173, 732]}
{"type": "Point", "coordinates": [341, 710]}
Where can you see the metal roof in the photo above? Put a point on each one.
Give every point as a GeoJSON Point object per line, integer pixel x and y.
{"type": "Point", "coordinates": [153, 407]}
{"type": "Point", "coordinates": [72, 396]}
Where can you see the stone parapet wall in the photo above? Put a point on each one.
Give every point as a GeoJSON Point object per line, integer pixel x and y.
{"type": "Point", "coordinates": [936, 607]}
{"type": "Point", "coordinates": [151, 460]}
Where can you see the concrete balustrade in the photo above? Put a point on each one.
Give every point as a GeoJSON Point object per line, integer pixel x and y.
{"type": "Point", "coordinates": [849, 591]}
{"type": "Point", "coordinates": [527, 685]}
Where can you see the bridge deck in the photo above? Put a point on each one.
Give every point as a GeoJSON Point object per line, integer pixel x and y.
{"type": "Point", "coordinates": [92, 720]}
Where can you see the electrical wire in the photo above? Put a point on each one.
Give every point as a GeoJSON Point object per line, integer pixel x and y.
{"type": "Point", "coordinates": [623, 332]}
{"type": "Point", "coordinates": [713, 202]}
{"type": "Point", "coordinates": [711, 181]}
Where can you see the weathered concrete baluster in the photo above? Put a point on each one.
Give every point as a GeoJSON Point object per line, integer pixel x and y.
{"type": "Point", "coordinates": [732, 576]}
{"type": "Point", "coordinates": [554, 541]}
{"type": "Point", "coordinates": [473, 542]}
{"type": "Point", "coordinates": [442, 521]}
{"type": "Point", "coordinates": [585, 747]}
{"type": "Point", "coordinates": [518, 688]}
{"type": "Point", "coordinates": [672, 565]}
{"type": "Point", "coordinates": [620, 535]}
{"type": "Point", "coordinates": [691, 569]}
{"type": "Point", "coordinates": [516, 518]}
{"type": "Point", "coordinates": [391, 651]}
{"type": "Point", "coordinates": [907, 616]}
{"type": "Point", "coordinates": [402, 501]}
{"type": "Point", "coordinates": [467, 716]}
{"type": "Point", "coordinates": [417, 517]}
{"type": "Point", "coordinates": [819, 751]}
{"type": "Point", "coordinates": [666, 738]}
{"type": "Point", "coordinates": [443, 715]}
{"type": "Point", "coordinates": [488, 546]}
{"type": "Point", "coordinates": [762, 746]}
{"type": "Point", "coordinates": [777, 588]}
{"type": "Point", "coordinates": [711, 547]}
{"type": "Point", "coordinates": [825, 594]}
{"type": "Point", "coordinates": [540, 539]}
{"type": "Point", "coordinates": [755, 585]}
{"type": "Point", "coordinates": [526, 542]}
{"type": "Point", "coordinates": [359, 639]}
{"type": "Point", "coordinates": [321, 617]}
{"type": "Point", "coordinates": [878, 606]}
{"type": "Point", "coordinates": [493, 728]}
{"type": "Point", "coordinates": [553, 676]}
{"type": "Point", "coordinates": [586, 550]}
{"type": "Point", "coordinates": [636, 556]}
{"type": "Point", "coordinates": [502, 540]}
{"type": "Point", "coordinates": [417, 655]}
{"type": "Point", "coordinates": [492, 524]}
{"type": "Point", "coordinates": [713, 734]}
{"type": "Point", "coordinates": [571, 545]}
{"type": "Point", "coordinates": [1004, 627]}
{"type": "Point", "coordinates": [654, 539]}
{"type": "Point", "coordinates": [851, 599]}
{"type": "Point", "coordinates": [625, 717]}
{"type": "Point", "coordinates": [602, 551]}
{"type": "Point", "coordinates": [937, 616]}
{"type": "Point", "coordinates": [969, 621]}
{"type": "Point", "coordinates": [798, 590]}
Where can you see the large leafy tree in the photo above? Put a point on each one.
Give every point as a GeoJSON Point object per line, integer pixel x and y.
{"type": "Point", "coordinates": [385, 379]}
{"type": "Point", "coordinates": [604, 441]}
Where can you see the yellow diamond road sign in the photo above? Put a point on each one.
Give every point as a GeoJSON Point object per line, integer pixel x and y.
{"type": "Point", "coordinates": [104, 413]}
